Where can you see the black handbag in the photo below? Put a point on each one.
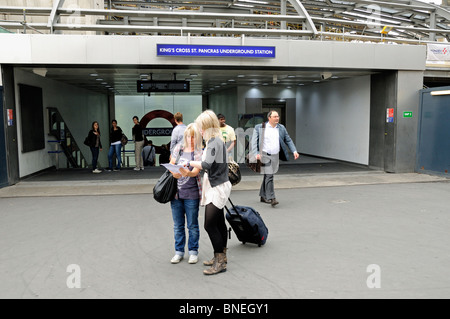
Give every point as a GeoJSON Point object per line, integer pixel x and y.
{"type": "Point", "coordinates": [86, 141]}
{"type": "Point", "coordinates": [234, 173]}
{"type": "Point", "coordinates": [166, 188]}
{"type": "Point", "coordinates": [124, 140]}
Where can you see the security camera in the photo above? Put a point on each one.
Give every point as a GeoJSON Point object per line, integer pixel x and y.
{"type": "Point", "coordinates": [326, 75]}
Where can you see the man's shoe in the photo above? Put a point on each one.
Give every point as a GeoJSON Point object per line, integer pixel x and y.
{"type": "Point", "coordinates": [274, 202]}
{"type": "Point", "coordinates": [267, 201]}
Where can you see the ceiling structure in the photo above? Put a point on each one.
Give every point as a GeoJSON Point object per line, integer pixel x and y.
{"type": "Point", "coordinates": [123, 81]}
{"type": "Point", "coordinates": [398, 21]}
{"type": "Point", "coordinates": [404, 21]}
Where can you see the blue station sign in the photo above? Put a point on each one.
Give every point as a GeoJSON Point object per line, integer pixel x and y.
{"type": "Point", "coordinates": [232, 51]}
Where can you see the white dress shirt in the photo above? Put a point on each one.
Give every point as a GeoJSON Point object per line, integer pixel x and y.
{"type": "Point", "coordinates": [271, 143]}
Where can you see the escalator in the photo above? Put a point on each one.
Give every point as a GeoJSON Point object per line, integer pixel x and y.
{"type": "Point", "coordinates": [61, 132]}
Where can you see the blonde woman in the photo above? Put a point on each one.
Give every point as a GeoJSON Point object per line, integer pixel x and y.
{"type": "Point", "coordinates": [185, 206]}
{"type": "Point", "coordinates": [216, 188]}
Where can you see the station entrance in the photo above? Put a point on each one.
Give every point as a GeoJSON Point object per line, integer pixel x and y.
{"type": "Point", "coordinates": [333, 105]}
{"type": "Point", "coordinates": [74, 97]}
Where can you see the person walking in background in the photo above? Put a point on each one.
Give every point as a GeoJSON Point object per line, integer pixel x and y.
{"type": "Point", "coordinates": [149, 153]}
{"type": "Point", "coordinates": [95, 145]}
{"type": "Point", "coordinates": [178, 131]}
{"type": "Point", "coordinates": [138, 138]}
{"type": "Point", "coordinates": [115, 136]}
{"type": "Point", "coordinates": [185, 206]}
{"type": "Point", "coordinates": [228, 135]}
{"type": "Point", "coordinates": [267, 141]}
{"type": "Point", "coordinates": [216, 189]}
{"type": "Point", "coordinates": [164, 156]}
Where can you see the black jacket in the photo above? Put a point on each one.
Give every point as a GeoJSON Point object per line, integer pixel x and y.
{"type": "Point", "coordinates": [92, 139]}
{"type": "Point", "coordinates": [137, 133]}
{"type": "Point", "coordinates": [115, 136]}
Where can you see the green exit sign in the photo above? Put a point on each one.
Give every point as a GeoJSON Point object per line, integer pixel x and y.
{"type": "Point", "coordinates": [407, 114]}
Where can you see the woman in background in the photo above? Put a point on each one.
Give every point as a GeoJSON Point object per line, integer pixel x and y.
{"type": "Point", "coordinates": [95, 145]}
{"type": "Point", "coordinates": [115, 136]}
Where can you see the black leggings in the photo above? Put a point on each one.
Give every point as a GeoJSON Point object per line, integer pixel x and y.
{"type": "Point", "coordinates": [216, 228]}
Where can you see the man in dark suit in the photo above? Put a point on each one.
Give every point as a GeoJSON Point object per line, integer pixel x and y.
{"type": "Point", "coordinates": [267, 141]}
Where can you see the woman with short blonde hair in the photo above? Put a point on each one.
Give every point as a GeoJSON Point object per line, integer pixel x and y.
{"type": "Point", "coordinates": [216, 188]}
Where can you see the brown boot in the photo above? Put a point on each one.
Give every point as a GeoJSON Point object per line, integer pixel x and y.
{"type": "Point", "coordinates": [211, 262]}
{"type": "Point", "coordinates": [218, 266]}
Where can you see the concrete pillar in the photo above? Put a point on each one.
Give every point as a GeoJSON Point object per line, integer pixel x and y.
{"type": "Point", "coordinates": [409, 84]}
{"type": "Point", "coordinates": [393, 145]}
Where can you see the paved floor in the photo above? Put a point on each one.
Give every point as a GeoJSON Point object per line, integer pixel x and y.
{"type": "Point", "coordinates": [321, 241]}
{"type": "Point", "coordinates": [306, 172]}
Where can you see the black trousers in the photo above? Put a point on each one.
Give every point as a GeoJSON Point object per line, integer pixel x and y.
{"type": "Point", "coordinates": [216, 228]}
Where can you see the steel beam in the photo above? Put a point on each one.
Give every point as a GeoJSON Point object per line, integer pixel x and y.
{"type": "Point", "coordinates": [54, 16]}
{"type": "Point", "coordinates": [298, 6]}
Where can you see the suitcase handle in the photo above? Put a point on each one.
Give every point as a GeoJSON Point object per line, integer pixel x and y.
{"type": "Point", "coordinates": [232, 205]}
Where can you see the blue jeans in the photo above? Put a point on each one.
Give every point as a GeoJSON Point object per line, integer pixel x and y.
{"type": "Point", "coordinates": [94, 151]}
{"type": "Point", "coordinates": [186, 209]}
{"type": "Point", "coordinates": [114, 149]}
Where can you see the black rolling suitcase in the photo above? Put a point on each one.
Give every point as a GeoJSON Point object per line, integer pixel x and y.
{"type": "Point", "coordinates": [247, 224]}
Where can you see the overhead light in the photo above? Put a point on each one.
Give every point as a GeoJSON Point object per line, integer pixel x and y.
{"type": "Point", "coordinates": [243, 5]}
{"type": "Point", "coordinates": [254, 1]}
{"type": "Point", "coordinates": [316, 81]}
{"type": "Point", "coordinates": [241, 76]}
{"type": "Point", "coordinates": [291, 76]}
{"type": "Point", "coordinates": [231, 80]}
{"type": "Point", "coordinates": [93, 74]}
{"type": "Point", "coordinates": [437, 93]}
{"type": "Point", "coordinates": [99, 79]}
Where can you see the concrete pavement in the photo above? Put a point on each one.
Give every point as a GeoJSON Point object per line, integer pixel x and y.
{"type": "Point", "coordinates": [321, 242]}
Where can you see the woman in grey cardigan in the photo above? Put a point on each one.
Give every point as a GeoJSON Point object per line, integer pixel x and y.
{"type": "Point", "coordinates": [216, 188]}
